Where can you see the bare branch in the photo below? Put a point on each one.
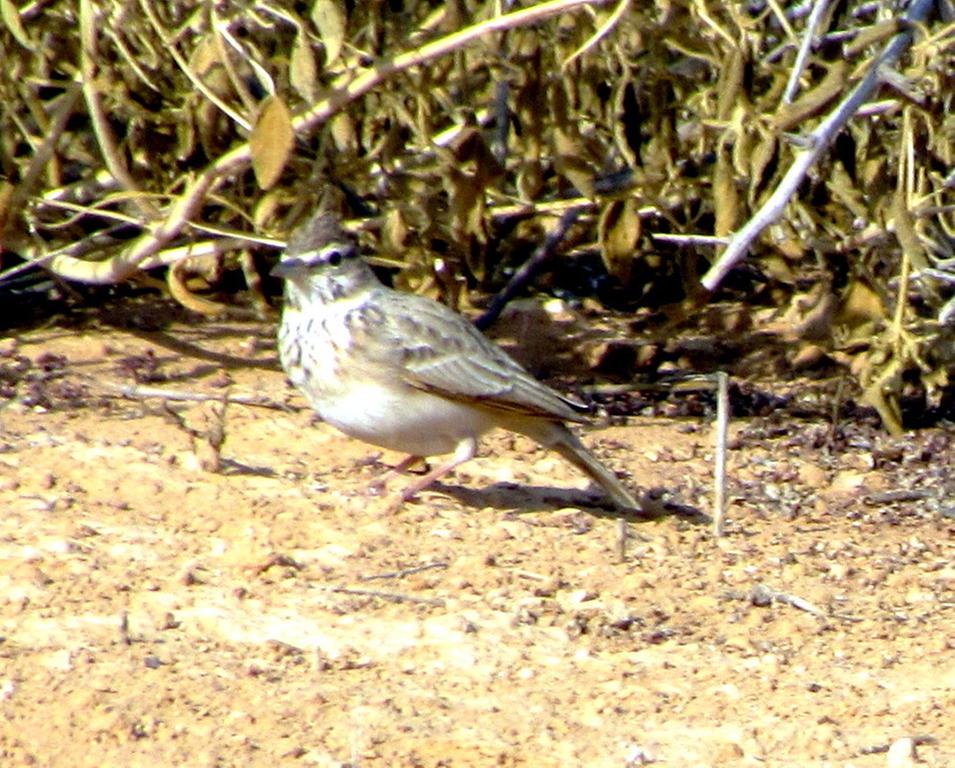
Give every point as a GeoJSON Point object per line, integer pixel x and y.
{"type": "Point", "coordinates": [137, 392]}
{"type": "Point", "coordinates": [820, 140]}
{"type": "Point", "coordinates": [792, 86]}
{"type": "Point", "coordinates": [542, 254]}
{"type": "Point", "coordinates": [104, 133]}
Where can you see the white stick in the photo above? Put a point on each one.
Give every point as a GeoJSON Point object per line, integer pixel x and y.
{"type": "Point", "coordinates": [809, 35]}
{"type": "Point", "coordinates": [719, 471]}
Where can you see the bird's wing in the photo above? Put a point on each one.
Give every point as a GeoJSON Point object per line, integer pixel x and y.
{"type": "Point", "coordinates": [438, 350]}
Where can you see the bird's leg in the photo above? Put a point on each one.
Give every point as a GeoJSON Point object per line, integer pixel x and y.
{"type": "Point", "coordinates": [465, 451]}
{"type": "Point", "coordinates": [377, 486]}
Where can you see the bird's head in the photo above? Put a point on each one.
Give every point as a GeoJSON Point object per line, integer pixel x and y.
{"type": "Point", "coordinates": [322, 259]}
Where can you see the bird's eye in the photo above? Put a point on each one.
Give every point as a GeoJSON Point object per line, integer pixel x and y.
{"type": "Point", "coordinates": [335, 258]}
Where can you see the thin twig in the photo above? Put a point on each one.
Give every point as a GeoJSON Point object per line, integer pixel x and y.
{"type": "Point", "coordinates": [395, 597]}
{"type": "Point", "coordinates": [552, 207]}
{"type": "Point", "coordinates": [798, 602]}
{"type": "Point", "coordinates": [837, 400]}
{"type": "Point", "coordinates": [623, 535]}
{"type": "Point", "coordinates": [712, 240]}
{"type": "Point", "coordinates": [782, 19]}
{"type": "Point", "coordinates": [223, 36]}
{"type": "Point", "coordinates": [719, 459]}
{"type": "Point", "coordinates": [102, 240]}
{"type": "Point", "coordinates": [53, 131]}
{"type": "Point", "coordinates": [761, 594]}
{"type": "Point", "coordinates": [112, 156]}
{"type": "Point", "coordinates": [820, 139]}
{"type": "Point", "coordinates": [187, 70]}
{"type": "Point", "coordinates": [594, 40]}
{"type": "Point", "coordinates": [405, 571]}
{"type": "Point", "coordinates": [542, 254]}
{"type": "Point", "coordinates": [137, 392]}
{"type": "Point", "coordinates": [792, 86]}
{"type": "Point", "coordinates": [124, 637]}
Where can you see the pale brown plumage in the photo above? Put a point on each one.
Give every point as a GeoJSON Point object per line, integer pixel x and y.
{"type": "Point", "coordinates": [405, 372]}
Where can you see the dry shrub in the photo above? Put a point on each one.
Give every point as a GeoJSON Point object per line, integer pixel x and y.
{"type": "Point", "coordinates": [141, 135]}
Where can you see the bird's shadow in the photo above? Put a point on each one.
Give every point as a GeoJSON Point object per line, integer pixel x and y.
{"type": "Point", "coordinates": [524, 499]}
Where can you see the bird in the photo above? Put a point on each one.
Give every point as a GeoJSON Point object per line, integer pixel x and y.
{"type": "Point", "coordinates": [405, 372]}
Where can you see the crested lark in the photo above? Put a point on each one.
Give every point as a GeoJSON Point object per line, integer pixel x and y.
{"type": "Point", "coordinates": [405, 372]}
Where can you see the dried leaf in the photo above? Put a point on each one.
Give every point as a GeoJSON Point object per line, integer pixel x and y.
{"type": "Point", "coordinates": [330, 20]}
{"type": "Point", "coordinates": [573, 158]}
{"type": "Point", "coordinates": [11, 17]}
{"type": "Point", "coordinates": [872, 35]}
{"type": "Point", "coordinates": [528, 98]}
{"type": "Point", "coordinates": [725, 195]}
{"type": "Point", "coordinates": [845, 192]}
{"type": "Point", "coordinates": [628, 123]}
{"type": "Point", "coordinates": [619, 232]}
{"type": "Point", "coordinates": [812, 102]}
{"type": "Point", "coordinates": [883, 398]}
{"type": "Point", "coordinates": [7, 191]}
{"type": "Point", "coordinates": [394, 232]}
{"type": "Point", "coordinates": [303, 72]}
{"type": "Point", "coordinates": [342, 129]}
{"type": "Point", "coordinates": [762, 165]}
{"type": "Point", "coordinates": [271, 141]}
{"type": "Point", "coordinates": [860, 305]}
{"type": "Point", "coordinates": [205, 58]}
{"type": "Point", "coordinates": [730, 85]}
{"type": "Point", "coordinates": [809, 315]}
{"type": "Point", "coordinates": [176, 281]}
{"type": "Point", "coordinates": [266, 209]}
{"type": "Point", "coordinates": [744, 139]}
{"type": "Point", "coordinates": [530, 180]}
{"type": "Point", "coordinates": [570, 162]}
{"type": "Point", "coordinates": [472, 154]}
{"type": "Point", "coordinates": [466, 203]}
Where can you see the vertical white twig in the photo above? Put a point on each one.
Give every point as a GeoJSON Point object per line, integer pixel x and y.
{"type": "Point", "coordinates": [719, 471]}
{"type": "Point", "coordinates": [622, 535]}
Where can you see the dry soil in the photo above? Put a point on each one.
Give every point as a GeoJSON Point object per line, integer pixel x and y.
{"type": "Point", "coordinates": [183, 583]}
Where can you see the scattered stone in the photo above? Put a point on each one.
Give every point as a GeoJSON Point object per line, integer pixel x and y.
{"type": "Point", "coordinates": [901, 754]}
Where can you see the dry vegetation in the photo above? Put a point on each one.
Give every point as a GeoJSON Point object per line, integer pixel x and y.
{"type": "Point", "coordinates": [755, 186]}
{"type": "Point", "coordinates": [147, 135]}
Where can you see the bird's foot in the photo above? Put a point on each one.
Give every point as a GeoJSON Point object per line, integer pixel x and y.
{"type": "Point", "coordinates": [377, 486]}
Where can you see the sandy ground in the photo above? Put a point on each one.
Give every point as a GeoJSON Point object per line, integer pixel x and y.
{"type": "Point", "coordinates": [164, 602]}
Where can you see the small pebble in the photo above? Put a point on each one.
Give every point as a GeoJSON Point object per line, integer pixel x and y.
{"type": "Point", "coordinates": [901, 754]}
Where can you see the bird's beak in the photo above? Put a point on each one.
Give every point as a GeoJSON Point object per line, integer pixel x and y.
{"type": "Point", "coordinates": [286, 268]}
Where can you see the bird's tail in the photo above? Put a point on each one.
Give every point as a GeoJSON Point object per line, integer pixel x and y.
{"type": "Point", "coordinates": [568, 445]}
